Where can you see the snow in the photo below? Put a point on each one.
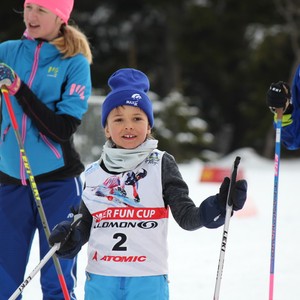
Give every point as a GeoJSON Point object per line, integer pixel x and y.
{"type": "Point", "coordinates": [194, 256]}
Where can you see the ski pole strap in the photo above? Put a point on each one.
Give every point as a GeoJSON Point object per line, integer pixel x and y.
{"type": "Point", "coordinates": [286, 119]}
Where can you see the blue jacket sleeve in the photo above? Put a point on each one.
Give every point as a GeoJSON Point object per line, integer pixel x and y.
{"type": "Point", "coordinates": [56, 126]}
{"type": "Point", "coordinates": [290, 134]}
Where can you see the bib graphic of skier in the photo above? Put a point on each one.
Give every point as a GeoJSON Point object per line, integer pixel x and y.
{"type": "Point", "coordinates": [132, 179]}
{"type": "Point", "coordinates": [114, 188]}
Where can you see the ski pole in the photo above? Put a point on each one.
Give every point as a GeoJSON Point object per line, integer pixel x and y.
{"type": "Point", "coordinates": [275, 199]}
{"type": "Point", "coordinates": [44, 260]}
{"type": "Point", "coordinates": [34, 189]}
{"type": "Point", "coordinates": [229, 208]}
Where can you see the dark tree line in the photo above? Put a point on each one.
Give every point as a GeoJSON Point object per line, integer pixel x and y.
{"type": "Point", "coordinates": [220, 54]}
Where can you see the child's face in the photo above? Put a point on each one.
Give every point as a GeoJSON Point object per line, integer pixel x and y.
{"type": "Point", "coordinates": [127, 126]}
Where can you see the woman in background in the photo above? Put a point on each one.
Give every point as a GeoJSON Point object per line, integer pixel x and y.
{"type": "Point", "coordinates": [47, 74]}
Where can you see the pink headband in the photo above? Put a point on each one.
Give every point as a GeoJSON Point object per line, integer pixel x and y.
{"type": "Point", "coordinates": [61, 8]}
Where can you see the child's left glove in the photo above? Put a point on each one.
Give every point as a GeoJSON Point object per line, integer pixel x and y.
{"type": "Point", "coordinates": [239, 194]}
{"type": "Point", "coordinates": [9, 78]}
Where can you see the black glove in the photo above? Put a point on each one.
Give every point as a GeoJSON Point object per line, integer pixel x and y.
{"type": "Point", "coordinates": [239, 194]}
{"type": "Point", "coordinates": [68, 235]}
{"type": "Point", "coordinates": [278, 96]}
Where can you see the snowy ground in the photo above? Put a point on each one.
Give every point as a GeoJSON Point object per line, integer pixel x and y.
{"type": "Point", "coordinates": [194, 256]}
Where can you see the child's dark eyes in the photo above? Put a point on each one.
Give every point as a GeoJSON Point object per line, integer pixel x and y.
{"type": "Point", "coordinates": [118, 120]}
{"type": "Point", "coordinates": [136, 119]}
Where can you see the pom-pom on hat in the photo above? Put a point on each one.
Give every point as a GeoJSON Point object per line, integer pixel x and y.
{"type": "Point", "coordinates": [61, 8]}
{"type": "Point", "coordinates": [128, 87]}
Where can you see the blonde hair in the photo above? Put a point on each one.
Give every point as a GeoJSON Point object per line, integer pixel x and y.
{"type": "Point", "coordinates": [73, 41]}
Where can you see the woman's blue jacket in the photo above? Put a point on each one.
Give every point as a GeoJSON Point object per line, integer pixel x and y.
{"type": "Point", "coordinates": [48, 107]}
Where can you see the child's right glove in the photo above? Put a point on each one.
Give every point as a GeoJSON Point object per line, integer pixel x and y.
{"type": "Point", "coordinates": [239, 194]}
{"type": "Point", "coordinates": [68, 235]}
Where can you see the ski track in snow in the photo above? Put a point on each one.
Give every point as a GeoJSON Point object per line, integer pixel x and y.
{"type": "Point", "coordinates": [194, 256]}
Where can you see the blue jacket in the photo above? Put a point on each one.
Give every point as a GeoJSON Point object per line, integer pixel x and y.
{"type": "Point", "coordinates": [54, 93]}
{"type": "Point", "coordinates": [290, 134]}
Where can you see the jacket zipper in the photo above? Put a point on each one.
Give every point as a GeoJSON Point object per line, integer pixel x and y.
{"type": "Point", "coordinates": [47, 142]}
{"type": "Point", "coordinates": [24, 118]}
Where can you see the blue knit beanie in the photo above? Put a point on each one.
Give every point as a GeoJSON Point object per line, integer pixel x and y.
{"type": "Point", "coordinates": [128, 87]}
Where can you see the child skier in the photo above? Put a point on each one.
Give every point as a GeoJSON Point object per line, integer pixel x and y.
{"type": "Point", "coordinates": [127, 239]}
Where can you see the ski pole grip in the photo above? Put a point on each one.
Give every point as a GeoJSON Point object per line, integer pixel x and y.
{"type": "Point", "coordinates": [233, 180]}
{"type": "Point", "coordinates": [279, 112]}
{"type": "Point", "coordinates": [76, 220]}
{"type": "Point", "coordinates": [4, 91]}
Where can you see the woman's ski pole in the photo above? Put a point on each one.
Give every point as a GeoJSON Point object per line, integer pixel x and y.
{"type": "Point", "coordinates": [44, 260]}
{"type": "Point", "coordinates": [229, 208]}
{"type": "Point", "coordinates": [34, 189]}
{"type": "Point", "coordinates": [275, 199]}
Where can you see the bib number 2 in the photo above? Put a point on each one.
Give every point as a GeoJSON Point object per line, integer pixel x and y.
{"type": "Point", "coordinates": [119, 246]}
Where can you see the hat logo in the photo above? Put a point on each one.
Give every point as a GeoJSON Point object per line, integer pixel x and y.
{"type": "Point", "coordinates": [136, 96]}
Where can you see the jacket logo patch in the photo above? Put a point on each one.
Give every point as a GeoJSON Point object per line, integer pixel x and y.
{"type": "Point", "coordinates": [52, 71]}
{"type": "Point", "coordinates": [77, 89]}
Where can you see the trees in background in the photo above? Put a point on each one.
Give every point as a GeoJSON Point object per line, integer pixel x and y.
{"type": "Point", "coordinates": [216, 58]}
